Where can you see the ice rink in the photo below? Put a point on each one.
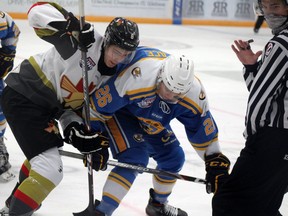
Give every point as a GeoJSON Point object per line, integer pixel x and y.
{"type": "Point", "coordinates": [221, 73]}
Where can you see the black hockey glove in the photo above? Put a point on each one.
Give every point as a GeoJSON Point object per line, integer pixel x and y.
{"type": "Point", "coordinates": [6, 61]}
{"type": "Point", "coordinates": [85, 142]}
{"type": "Point", "coordinates": [217, 167]}
{"type": "Point", "coordinates": [99, 159]}
{"type": "Point", "coordinates": [85, 37]}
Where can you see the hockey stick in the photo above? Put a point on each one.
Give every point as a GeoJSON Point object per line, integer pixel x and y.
{"type": "Point", "coordinates": [90, 210]}
{"type": "Point", "coordinates": [140, 168]}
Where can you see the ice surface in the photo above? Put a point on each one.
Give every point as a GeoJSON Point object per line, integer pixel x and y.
{"type": "Point", "coordinates": [220, 71]}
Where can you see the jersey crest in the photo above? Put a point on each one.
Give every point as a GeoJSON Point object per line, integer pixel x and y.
{"type": "Point", "coordinates": [75, 98]}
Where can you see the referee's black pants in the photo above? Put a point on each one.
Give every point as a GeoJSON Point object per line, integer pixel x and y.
{"type": "Point", "coordinates": [259, 178]}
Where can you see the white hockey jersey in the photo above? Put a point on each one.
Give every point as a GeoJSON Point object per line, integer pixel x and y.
{"type": "Point", "coordinates": [53, 79]}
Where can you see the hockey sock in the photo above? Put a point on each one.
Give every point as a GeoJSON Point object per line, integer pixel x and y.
{"type": "Point", "coordinates": [162, 188]}
{"type": "Point", "coordinates": [116, 187]}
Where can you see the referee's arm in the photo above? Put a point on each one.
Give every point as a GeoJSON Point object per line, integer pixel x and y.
{"type": "Point", "coordinates": [266, 85]}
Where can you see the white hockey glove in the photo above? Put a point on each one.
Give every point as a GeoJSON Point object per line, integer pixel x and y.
{"type": "Point", "coordinates": [85, 142]}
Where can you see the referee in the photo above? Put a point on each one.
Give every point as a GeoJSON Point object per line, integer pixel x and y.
{"type": "Point", "coordinates": [259, 178]}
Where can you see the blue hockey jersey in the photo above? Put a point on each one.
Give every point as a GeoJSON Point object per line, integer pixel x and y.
{"type": "Point", "coordinates": [134, 88]}
{"type": "Point", "coordinates": [9, 32]}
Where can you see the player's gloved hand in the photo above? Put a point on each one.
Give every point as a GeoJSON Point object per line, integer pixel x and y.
{"type": "Point", "coordinates": [6, 61]}
{"type": "Point", "coordinates": [85, 37]}
{"type": "Point", "coordinates": [217, 167]}
{"type": "Point", "coordinates": [85, 142]}
{"type": "Point", "coordinates": [99, 159]}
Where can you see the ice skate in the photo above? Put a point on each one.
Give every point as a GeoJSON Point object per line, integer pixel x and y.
{"type": "Point", "coordinates": [5, 167]}
{"type": "Point", "coordinates": [155, 208]}
{"type": "Point", "coordinates": [7, 176]}
{"type": "Point", "coordinates": [4, 211]}
{"type": "Point", "coordinates": [98, 213]}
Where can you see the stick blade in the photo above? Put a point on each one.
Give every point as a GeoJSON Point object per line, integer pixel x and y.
{"type": "Point", "coordinates": [87, 212]}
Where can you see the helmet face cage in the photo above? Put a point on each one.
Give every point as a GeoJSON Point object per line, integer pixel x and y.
{"type": "Point", "coordinates": [123, 33]}
{"type": "Point", "coordinates": [177, 74]}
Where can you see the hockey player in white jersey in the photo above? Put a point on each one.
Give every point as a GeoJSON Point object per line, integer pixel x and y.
{"type": "Point", "coordinates": [49, 86]}
{"type": "Point", "coordinates": [137, 107]}
{"type": "Point", "coordinates": [9, 34]}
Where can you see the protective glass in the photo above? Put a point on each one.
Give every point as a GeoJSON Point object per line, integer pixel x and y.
{"type": "Point", "coordinates": [119, 55]}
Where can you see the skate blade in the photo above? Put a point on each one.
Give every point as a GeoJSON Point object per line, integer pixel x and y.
{"type": "Point", "coordinates": [7, 176]}
{"type": "Point", "coordinates": [87, 212]}
{"type": "Point", "coordinates": [4, 211]}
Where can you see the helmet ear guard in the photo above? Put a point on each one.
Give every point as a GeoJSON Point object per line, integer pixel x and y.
{"type": "Point", "coordinates": [123, 33]}
{"type": "Point", "coordinates": [177, 73]}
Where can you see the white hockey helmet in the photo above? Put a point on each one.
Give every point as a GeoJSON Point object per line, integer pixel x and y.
{"type": "Point", "coordinates": [177, 73]}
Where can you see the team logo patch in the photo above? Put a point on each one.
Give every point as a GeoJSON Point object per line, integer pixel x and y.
{"type": "Point", "coordinates": [136, 72]}
{"type": "Point", "coordinates": [269, 48]}
{"type": "Point", "coordinates": [202, 95]}
{"type": "Point", "coordinates": [138, 137]}
{"type": "Point", "coordinates": [147, 102]}
{"type": "Point", "coordinates": [90, 63]}
{"type": "Point", "coordinates": [167, 136]}
{"type": "Point", "coordinates": [164, 107]}
{"type": "Point", "coordinates": [2, 14]}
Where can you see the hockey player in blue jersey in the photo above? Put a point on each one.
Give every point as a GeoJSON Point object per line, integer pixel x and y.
{"type": "Point", "coordinates": [9, 33]}
{"type": "Point", "coordinates": [137, 107]}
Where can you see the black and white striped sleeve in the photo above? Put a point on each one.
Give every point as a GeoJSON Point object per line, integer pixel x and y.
{"type": "Point", "coordinates": [268, 88]}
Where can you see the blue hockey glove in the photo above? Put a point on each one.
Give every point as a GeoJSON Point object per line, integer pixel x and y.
{"type": "Point", "coordinates": [217, 167]}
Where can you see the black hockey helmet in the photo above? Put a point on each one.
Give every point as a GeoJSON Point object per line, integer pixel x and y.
{"type": "Point", "coordinates": [123, 33]}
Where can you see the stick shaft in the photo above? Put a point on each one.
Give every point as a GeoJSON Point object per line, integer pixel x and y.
{"type": "Point", "coordinates": [140, 168]}
{"type": "Point", "coordinates": [90, 209]}
{"type": "Point", "coordinates": [84, 70]}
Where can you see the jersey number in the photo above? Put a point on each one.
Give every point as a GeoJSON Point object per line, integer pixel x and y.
{"type": "Point", "coordinates": [209, 126]}
{"type": "Point", "coordinates": [103, 96]}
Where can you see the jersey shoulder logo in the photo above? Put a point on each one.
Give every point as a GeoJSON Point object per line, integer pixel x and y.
{"type": "Point", "coordinates": [202, 95]}
{"type": "Point", "coordinates": [136, 72]}
{"type": "Point", "coordinates": [269, 48]}
{"type": "Point", "coordinates": [2, 14]}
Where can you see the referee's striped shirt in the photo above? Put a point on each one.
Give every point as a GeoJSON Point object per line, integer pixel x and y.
{"type": "Point", "coordinates": [267, 82]}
